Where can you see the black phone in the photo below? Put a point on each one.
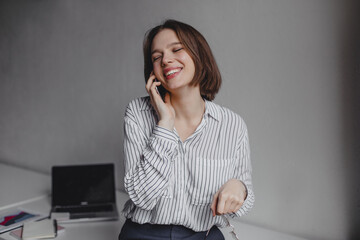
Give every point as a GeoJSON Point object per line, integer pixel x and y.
{"type": "Point", "coordinates": [161, 90]}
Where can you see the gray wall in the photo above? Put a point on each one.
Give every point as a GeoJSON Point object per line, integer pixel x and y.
{"type": "Point", "coordinates": [68, 69]}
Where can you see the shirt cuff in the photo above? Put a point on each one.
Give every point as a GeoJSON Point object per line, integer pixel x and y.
{"type": "Point", "coordinates": [163, 142]}
{"type": "Point", "coordinates": [164, 133]}
{"type": "Point", "coordinates": [247, 205]}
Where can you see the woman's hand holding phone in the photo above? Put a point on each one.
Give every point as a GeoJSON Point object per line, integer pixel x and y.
{"type": "Point", "coordinates": [163, 107]}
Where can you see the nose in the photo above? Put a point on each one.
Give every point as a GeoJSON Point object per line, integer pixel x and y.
{"type": "Point", "coordinates": [167, 58]}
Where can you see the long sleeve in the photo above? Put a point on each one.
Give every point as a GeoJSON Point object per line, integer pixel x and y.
{"type": "Point", "coordinates": [243, 171]}
{"type": "Point", "coordinates": [147, 161]}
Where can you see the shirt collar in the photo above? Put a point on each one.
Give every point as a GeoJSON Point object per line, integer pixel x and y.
{"type": "Point", "coordinates": [146, 104]}
{"type": "Point", "coordinates": [210, 108]}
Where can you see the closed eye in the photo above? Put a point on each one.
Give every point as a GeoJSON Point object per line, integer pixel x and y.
{"type": "Point", "coordinates": [178, 49]}
{"type": "Point", "coordinates": [156, 58]}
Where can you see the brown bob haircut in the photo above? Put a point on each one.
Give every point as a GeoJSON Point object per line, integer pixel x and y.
{"type": "Point", "coordinates": [207, 73]}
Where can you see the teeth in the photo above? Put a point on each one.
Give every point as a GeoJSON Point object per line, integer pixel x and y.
{"type": "Point", "coordinates": [172, 72]}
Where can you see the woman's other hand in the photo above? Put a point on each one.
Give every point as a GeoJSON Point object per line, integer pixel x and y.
{"type": "Point", "coordinates": [229, 198]}
{"type": "Point", "coordinates": [164, 109]}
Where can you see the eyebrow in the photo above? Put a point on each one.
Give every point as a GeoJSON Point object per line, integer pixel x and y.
{"type": "Point", "coordinates": [169, 45]}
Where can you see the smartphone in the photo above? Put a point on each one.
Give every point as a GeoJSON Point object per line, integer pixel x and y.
{"type": "Point", "coordinates": [160, 90]}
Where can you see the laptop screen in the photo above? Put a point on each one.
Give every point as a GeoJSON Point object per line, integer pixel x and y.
{"type": "Point", "coordinates": [83, 184]}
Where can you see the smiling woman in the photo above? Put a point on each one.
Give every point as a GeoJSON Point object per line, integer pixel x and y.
{"type": "Point", "coordinates": [180, 68]}
{"type": "Point", "coordinates": [187, 159]}
{"type": "Point", "coordinates": [207, 74]}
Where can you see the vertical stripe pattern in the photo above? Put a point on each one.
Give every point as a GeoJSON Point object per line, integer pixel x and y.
{"type": "Point", "coordinates": [173, 182]}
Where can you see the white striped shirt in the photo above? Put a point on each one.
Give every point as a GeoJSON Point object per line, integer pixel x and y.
{"type": "Point", "coordinates": [173, 182]}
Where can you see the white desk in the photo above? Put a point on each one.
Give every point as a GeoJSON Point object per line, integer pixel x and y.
{"type": "Point", "coordinates": [17, 184]}
{"type": "Point", "coordinates": [31, 190]}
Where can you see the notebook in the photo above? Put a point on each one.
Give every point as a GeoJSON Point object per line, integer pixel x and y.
{"type": "Point", "coordinates": [38, 230]}
{"type": "Point", "coordinates": [83, 193]}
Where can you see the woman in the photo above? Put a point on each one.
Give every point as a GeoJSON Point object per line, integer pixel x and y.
{"type": "Point", "coordinates": [186, 159]}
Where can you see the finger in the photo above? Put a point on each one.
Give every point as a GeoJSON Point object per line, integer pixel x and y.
{"type": "Point", "coordinates": [167, 97]}
{"type": "Point", "coordinates": [237, 208]}
{"type": "Point", "coordinates": [236, 205]}
{"type": "Point", "coordinates": [220, 204]}
{"type": "Point", "coordinates": [153, 90]}
{"type": "Point", "coordinates": [150, 82]}
{"type": "Point", "coordinates": [227, 207]}
{"type": "Point", "coordinates": [214, 204]}
{"type": "Point", "coordinates": [233, 207]}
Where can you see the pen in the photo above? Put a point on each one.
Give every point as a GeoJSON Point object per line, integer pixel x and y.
{"type": "Point", "coordinates": [55, 227]}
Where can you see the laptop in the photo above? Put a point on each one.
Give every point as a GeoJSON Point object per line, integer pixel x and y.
{"type": "Point", "coordinates": [83, 193]}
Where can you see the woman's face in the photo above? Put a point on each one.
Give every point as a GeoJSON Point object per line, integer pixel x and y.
{"type": "Point", "coordinates": [172, 65]}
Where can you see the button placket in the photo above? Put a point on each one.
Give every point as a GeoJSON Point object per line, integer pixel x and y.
{"type": "Point", "coordinates": [182, 177]}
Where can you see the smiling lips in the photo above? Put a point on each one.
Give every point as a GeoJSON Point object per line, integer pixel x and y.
{"type": "Point", "coordinates": [171, 72]}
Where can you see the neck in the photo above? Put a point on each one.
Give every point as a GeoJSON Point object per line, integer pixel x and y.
{"type": "Point", "coordinates": [188, 106]}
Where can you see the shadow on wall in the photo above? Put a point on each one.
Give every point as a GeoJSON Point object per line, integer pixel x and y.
{"type": "Point", "coordinates": [350, 64]}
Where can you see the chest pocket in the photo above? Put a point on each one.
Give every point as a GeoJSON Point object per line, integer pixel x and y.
{"type": "Point", "coordinates": [206, 178]}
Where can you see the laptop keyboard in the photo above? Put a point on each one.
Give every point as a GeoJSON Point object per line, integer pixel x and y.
{"type": "Point", "coordinates": [85, 208]}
